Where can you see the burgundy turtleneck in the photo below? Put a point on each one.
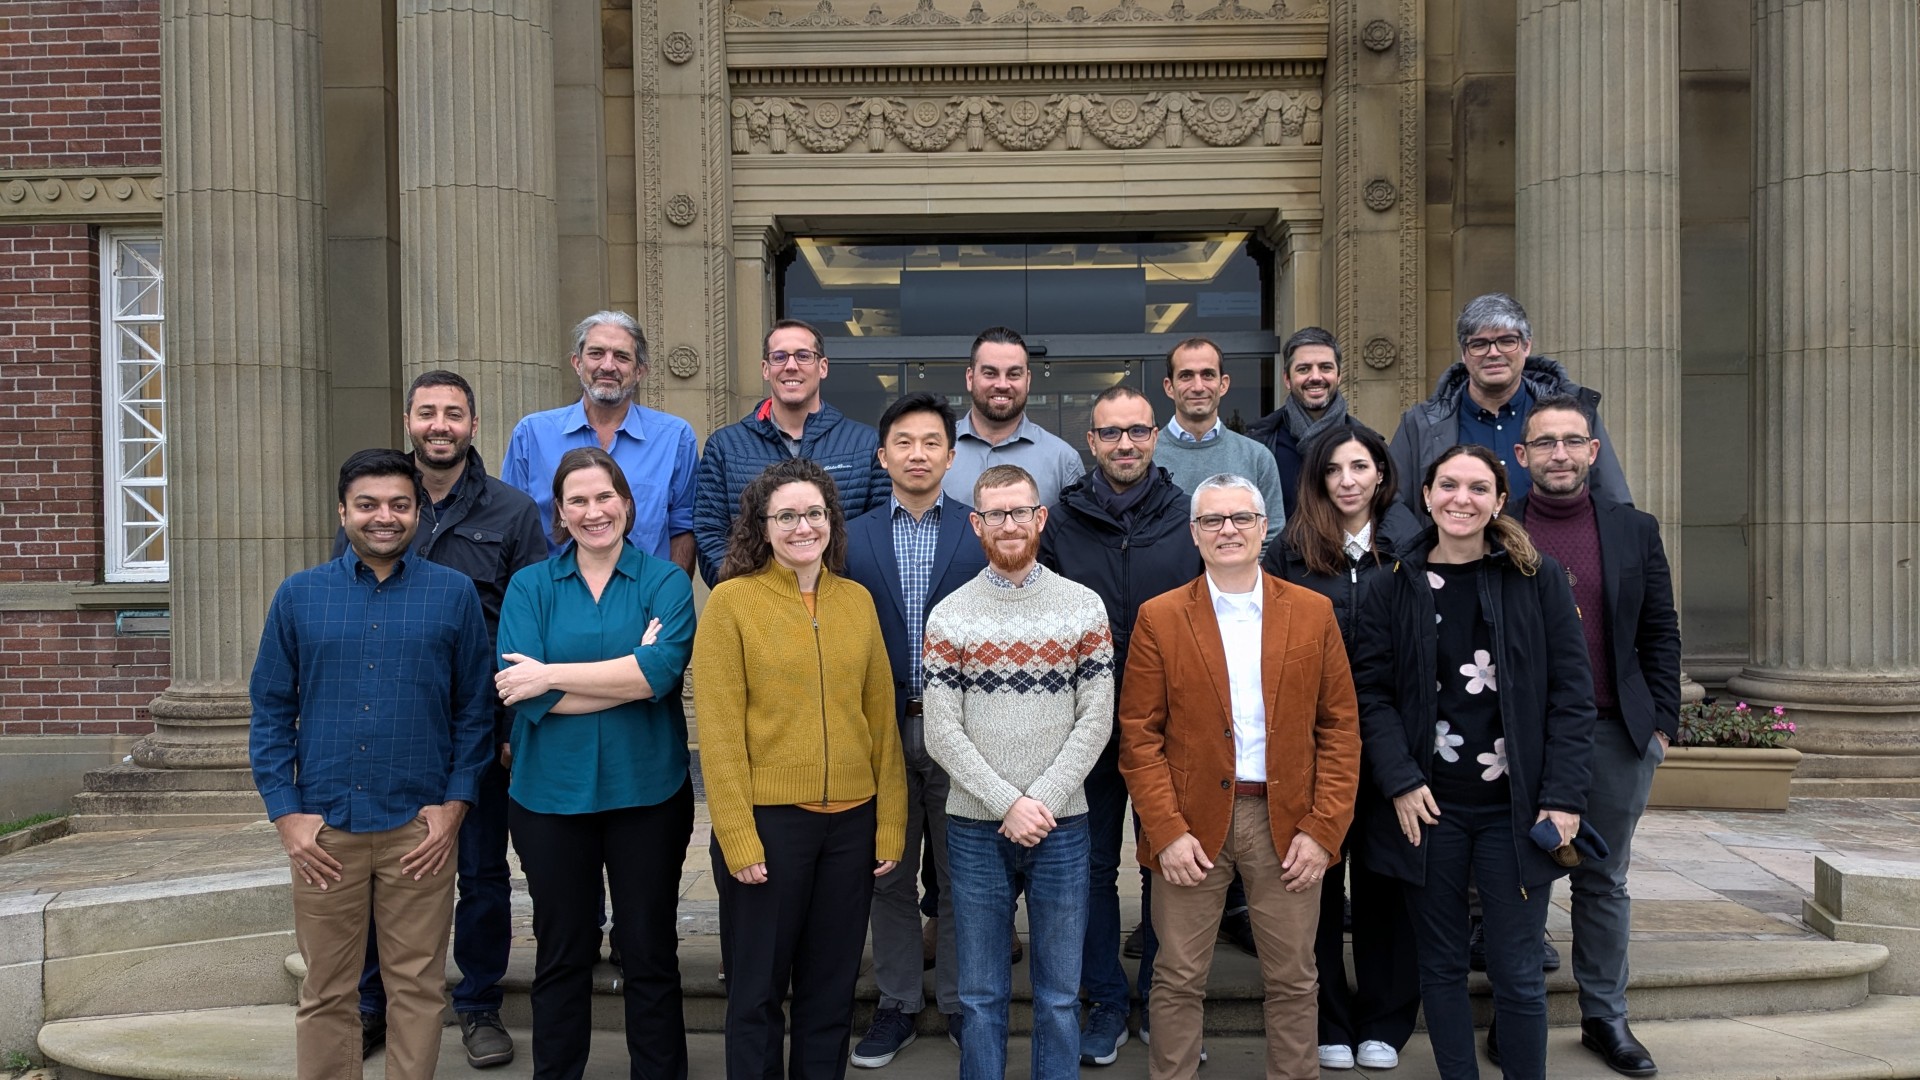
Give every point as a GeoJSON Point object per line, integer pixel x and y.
{"type": "Point", "coordinates": [1564, 527]}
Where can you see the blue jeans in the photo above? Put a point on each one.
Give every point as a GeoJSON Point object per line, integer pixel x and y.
{"type": "Point", "coordinates": [983, 868]}
{"type": "Point", "coordinates": [1477, 842]}
{"type": "Point", "coordinates": [1100, 971]}
{"type": "Point", "coordinates": [482, 917]}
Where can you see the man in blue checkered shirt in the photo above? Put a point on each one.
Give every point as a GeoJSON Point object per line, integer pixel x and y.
{"type": "Point", "coordinates": [372, 722]}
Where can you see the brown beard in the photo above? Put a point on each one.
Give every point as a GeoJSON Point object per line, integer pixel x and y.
{"type": "Point", "coordinates": [998, 559]}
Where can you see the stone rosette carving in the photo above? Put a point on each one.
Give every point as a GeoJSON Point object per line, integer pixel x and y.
{"type": "Point", "coordinates": [1378, 35]}
{"type": "Point", "coordinates": [54, 195]}
{"type": "Point", "coordinates": [681, 210]}
{"type": "Point", "coordinates": [1274, 117]}
{"type": "Point", "coordinates": [683, 361]}
{"type": "Point", "coordinates": [1379, 195]}
{"type": "Point", "coordinates": [927, 13]}
{"type": "Point", "coordinates": [677, 47]}
{"type": "Point", "coordinates": [1379, 353]}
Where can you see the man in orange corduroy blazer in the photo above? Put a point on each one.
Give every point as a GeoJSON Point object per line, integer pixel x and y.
{"type": "Point", "coordinates": [1240, 745]}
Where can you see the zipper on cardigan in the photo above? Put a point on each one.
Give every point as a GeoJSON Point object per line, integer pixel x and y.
{"type": "Point", "coordinates": [820, 666]}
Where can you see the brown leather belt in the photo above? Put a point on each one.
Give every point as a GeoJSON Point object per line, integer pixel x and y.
{"type": "Point", "coordinates": [914, 708]}
{"type": "Point", "coordinates": [1253, 789]}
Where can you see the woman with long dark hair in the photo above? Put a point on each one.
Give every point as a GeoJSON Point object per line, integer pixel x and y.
{"type": "Point", "coordinates": [1347, 529]}
{"type": "Point", "coordinates": [1476, 714]}
{"type": "Point", "coordinates": [804, 775]}
{"type": "Point", "coordinates": [595, 642]}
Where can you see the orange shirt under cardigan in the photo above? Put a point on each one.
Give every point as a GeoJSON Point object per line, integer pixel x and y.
{"type": "Point", "coordinates": [1176, 721]}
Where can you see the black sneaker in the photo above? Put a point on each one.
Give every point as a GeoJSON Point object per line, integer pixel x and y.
{"type": "Point", "coordinates": [890, 1032]}
{"type": "Point", "coordinates": [373, 1033]}
{"type": "Point", "coordinates": [486, 1039]}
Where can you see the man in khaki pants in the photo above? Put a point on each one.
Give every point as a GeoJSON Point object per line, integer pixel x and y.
{"type": "Point", "coordinates": [1240, 744]}
{"type": "Point", "coordinates": [372, 722]}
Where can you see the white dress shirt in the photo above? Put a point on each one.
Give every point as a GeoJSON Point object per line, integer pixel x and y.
{"type": "Point", "coordinates": [1239, 615]}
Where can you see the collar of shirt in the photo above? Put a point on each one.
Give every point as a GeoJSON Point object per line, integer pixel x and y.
{"type": "Point", "coordinates": [931, 513]}
{"type": "Point", "coordinates": [1024, 433]}
{"type": "Point", "coordinates": [1357, 544]}
{"type": "Point", "coordinates": [994, 578]}
{"type": "Point", "coordinates": [631, 424]}
{"type": "Point", "coordinates": [1176, 431]}
{"type": "Point", "coordinates": [355, 565]}
{"type": "Point", "coordinates": [1519, 404]}
{"type": "Point", "coordinates": [1243, 606]}
{"type": "Point", "coordinates": [567, 563]}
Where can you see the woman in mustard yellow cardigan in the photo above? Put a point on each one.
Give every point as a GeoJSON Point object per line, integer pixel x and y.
{"type": "Point", "coordinates": [804, 778]}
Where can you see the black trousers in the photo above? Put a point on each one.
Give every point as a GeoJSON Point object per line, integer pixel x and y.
{"type": "Point", "coordinates": [1385, 997]}
{"type": "Point", "coordinates": [641, 849]}
{"type": "Point", "coordinates": [804, 929]}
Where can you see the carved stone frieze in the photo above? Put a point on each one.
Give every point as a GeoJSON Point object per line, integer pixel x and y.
{"type": "Point", "coordinates": [683, 361]}
{"type": "Point", "coordinates": [1379, 195]}
{"type": "Point", "coordinates": [927, 13]}
{"type": "Point", "coordinates": [74, 195]}
{"type": "Point", "coordinates": [1378, 35]}
{"type": "Point", "coordinates": [677, 47]}
{"type": "Point", "coordinates": [681, 210]}
{"type": "Point", "coordinates": [1125, 122]}
{"type": "Point", "coordinates": [1380, 353]}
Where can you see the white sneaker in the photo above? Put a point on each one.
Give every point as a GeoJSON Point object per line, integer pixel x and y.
{"type": "Point", "coordinates": [1375, 1054]}
{"type": "Point", "coordinates": [1336, 1057]}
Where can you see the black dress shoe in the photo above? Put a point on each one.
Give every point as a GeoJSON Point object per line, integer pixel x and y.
{"type": "Point", "coordinates": [1615, 1044]}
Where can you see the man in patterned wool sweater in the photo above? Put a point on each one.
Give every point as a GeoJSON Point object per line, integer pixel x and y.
{"type": "Point", "coordinates": [1018, 705]}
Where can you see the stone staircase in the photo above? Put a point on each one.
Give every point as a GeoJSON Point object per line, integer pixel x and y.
{"type": "Point", "coordinates": [128, 796]}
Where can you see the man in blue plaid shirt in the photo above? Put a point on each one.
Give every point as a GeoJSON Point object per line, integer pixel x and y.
{"type": "Point", "coordinates": [372, 722]}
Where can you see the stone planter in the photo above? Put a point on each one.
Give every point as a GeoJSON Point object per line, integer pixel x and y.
{"type": "Point", "coordinates": [1723, 778]}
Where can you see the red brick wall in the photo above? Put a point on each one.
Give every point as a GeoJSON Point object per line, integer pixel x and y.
{"type": "Point", "coordinates": [80, 83]}
{"type": "Point", "coordinates": [50, 485]}
{"type": "Point", "coordinates": [67, 673]}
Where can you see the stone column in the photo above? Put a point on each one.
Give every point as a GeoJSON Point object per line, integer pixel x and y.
{"type": "Point", "coordinates": [1597, 201]}
{"type": "Point", "coordinates": [1836, 397]}
{"type": "Point", "coordinates": [249, 496]}
{"type": "Point", "coordinates": [478, 232]}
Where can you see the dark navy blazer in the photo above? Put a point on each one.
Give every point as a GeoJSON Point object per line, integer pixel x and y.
{"type": "Point", "coordinates": [957, 559]}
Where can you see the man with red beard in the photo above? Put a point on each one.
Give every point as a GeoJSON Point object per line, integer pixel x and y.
{"type": "Point", "coordinates": [1018, 705]}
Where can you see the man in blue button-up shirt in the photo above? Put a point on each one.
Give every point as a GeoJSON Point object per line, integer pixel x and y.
{"type": "Point", "coordinates": [655, 450]}
{"type": "Point", "coordinates": [372, 722]}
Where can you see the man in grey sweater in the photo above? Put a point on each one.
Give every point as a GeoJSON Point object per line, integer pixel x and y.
{"type": "Point", "coordinates": [1018, 706]}
{"type": "Point", "coordinates": [1199, 444]}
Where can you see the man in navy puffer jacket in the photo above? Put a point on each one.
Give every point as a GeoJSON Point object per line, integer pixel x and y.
{"type": "Point", "coordinates": [793, 422]}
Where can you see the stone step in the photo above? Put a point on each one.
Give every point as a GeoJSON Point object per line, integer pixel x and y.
{"type": "Point", "coordinates": [1858, 766]}
{"type": "Point", "coordinates": [1669, 980]}
{"type": "Point", "coordinates": [130, 777]}
{"type": "Point", "coordinates": [1874, 1039]}
{"type": "Point", "coordinates": [108, 811]}
{"type": "Point", "coordinates": [1854, 787]}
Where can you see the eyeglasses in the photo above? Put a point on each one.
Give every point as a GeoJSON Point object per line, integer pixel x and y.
{"type": "Point", "coordinates": [1545, 443]}
{"type": "Point", "coordinates": [803, 357]}
{"type": "Point", "coordinates": [993, 519]}
{"type": "Point", "coordinates": [1482, 346]}
{"type": "Point", "coordinates": [789, 520]}
{"type": "Point", "coordinates": [1138, 433]}
{"type": "Point", "coordinates": [1215, 522]}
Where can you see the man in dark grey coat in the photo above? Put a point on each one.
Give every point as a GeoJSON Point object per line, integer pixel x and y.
{"type": "Point", "coordinates": [1485, 397]}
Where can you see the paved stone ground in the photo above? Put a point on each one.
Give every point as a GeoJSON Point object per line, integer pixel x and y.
{"type": "Point", "coordinates": [1696, 874]}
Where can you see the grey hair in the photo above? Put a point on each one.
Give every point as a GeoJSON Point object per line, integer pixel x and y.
{"type": "Point", "coordinates": [612, 318]}
{"type": "Point", "coordinates": [1494, 311]}
{"type": "Point", "coordinates": [1227, 482]}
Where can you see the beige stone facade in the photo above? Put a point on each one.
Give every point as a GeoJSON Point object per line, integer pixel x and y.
{"type": "Point", "coordinates": [495, 170]}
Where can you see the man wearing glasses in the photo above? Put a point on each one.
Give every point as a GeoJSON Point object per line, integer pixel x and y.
{"type": "Point", "coordinates": [1620, 577]}
{"type": "Point", "coordinates": [1121, 531]}
{"type": "Point", "coordinates": [1244, 653]}
{"type": "Point", "coordinates": [792, 422]}
{"type": "Point", "coordinates": [1484, 400]}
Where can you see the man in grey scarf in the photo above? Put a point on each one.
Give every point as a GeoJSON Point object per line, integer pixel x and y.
{"type": "Point", "coordinates": [1310, 362]}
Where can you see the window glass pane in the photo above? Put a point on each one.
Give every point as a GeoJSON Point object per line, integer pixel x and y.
{"type": "Point", "coordinates": [133, 396]}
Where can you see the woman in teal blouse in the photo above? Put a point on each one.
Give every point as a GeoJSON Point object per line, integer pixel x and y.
{"type": "Point", "coordinates": [594, 643]}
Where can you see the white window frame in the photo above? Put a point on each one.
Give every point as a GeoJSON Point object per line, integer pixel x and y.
{"type": "Point", "coordinates": [120, 457]}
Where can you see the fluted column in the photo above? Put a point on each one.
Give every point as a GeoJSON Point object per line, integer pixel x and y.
{"type": "Point", "coordinates": [478, 233]}
{"type": "Point", "coordinates": [248, 491]}
{"type": "Point", "coordinates": [1836, 479]}
{"type": "Point", "coordinates": [1597, 238]}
